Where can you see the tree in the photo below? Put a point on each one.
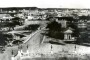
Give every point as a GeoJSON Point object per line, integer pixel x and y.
{"type": "Point", "coordinates": [84, 17]}
{"type": "Point", "coordinates": [11, 25]}
{"type": "Point", "coordinates": [76, 32]}
{"type": "Point", "coordinates": [32, 27]}
{"type": "Point", "coordinates": [16, 21]}
{"type": "Point", "coordinates": [55, 26]}
{"type": "Point", "coordinates": [70, 19]}
{"type": "Point", "coordinates": [55, 30]}
{"type": "Point", "coordinates": [9, 37]}
{"type": "Point", "coordinates": [3, 40]}
{"type": "Point", "coordinates": [17, 42]}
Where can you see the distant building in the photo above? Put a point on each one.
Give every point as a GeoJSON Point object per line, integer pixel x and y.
{"type": "Point", "coordinates": [82, 24]}
{"type": "Point", "coordinates": [62, 21]}
{"type": "Point", "coordinates": [88, 29]}
{"type": "Point", "coordinates": [16, 35]}
{"type": "Point", "coordinates": [5, 18]}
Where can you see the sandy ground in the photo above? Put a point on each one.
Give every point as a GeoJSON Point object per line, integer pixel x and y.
{"type": "Point", "coordinates": [35, 45]}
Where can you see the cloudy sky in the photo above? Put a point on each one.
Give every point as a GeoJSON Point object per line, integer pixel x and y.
{"type": "Point", "coordinates": [46, 3]}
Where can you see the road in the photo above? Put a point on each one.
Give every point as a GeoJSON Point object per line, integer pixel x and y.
{"type": "Point", "coordinates": [34, 42]}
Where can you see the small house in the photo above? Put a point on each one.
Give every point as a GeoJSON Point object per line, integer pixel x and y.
{"type": "Point", "coordinates": [68, 34]}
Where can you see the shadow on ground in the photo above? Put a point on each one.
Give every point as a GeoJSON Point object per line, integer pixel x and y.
{"type": "Point", "coordinates": [82, 43]}
{"type": "Point", "coordinates": [57, 43]}
{"type": "Point", "coordinates": [59, 58]}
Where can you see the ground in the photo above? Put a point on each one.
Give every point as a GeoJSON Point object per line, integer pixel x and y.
{"type": "Point", "coordinates": [36, 44]}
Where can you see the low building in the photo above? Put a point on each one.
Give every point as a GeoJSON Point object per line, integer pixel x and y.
{"type": "Point", "coordinates": [82, 24]}
{"type": "Point", "coordinates": [88, 29]}
{"type": "Point", "coordinates": [16, 35]}
{"type": "Point", "coordinates": [68, 35]}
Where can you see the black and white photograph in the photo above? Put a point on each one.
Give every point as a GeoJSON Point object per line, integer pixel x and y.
{"type": "Point", "coordinates": [44, 30]}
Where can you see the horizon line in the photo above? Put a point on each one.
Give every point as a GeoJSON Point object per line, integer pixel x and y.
{"type": "Point", "coordinates": [44, 7]}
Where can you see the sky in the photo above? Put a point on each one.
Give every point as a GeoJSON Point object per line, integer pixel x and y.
{"type": "Point", "coordinates": [46, 3]}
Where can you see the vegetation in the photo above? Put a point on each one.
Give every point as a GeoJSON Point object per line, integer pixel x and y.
{"type": "Point", "coordinates": [70, 19]}
{"type": "Point", "coordinates": [17, 42]}
{"type": "Point", "coordinates": [4, 39]}
{"type": "Point", "coordinates": [16, 21]}
{"type": "Point", "coordinates": [31, 27]}
{"type": "Point", "coordinates": [55, 30]}
{"type": "Point", "coordinates": [84, 17]}
{"type": "Point", "coordinates": [75, 29]}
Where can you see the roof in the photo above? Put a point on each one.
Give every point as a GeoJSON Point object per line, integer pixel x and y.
{"type": "Point", "coordinates": [88, 21]}
{"type": "Point", "coordinates": [69, 30]}
{"type": "Point", "coordinates": [65, 18]}
{"type": "Point", "coordinates": [18, 34]}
